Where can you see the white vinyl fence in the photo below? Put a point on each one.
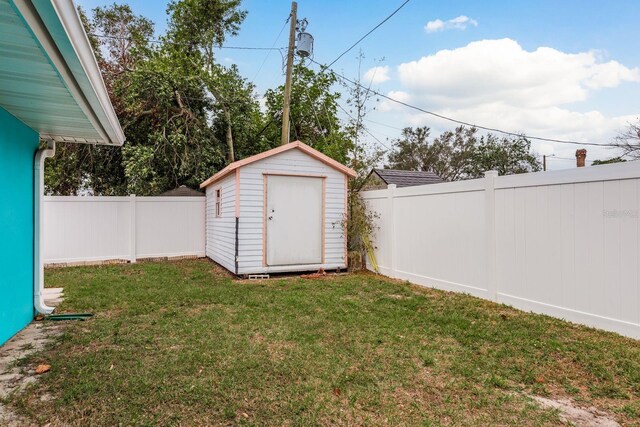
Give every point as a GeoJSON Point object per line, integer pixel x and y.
{"type": "Point", "coordinates": [92, 229]}
{"type": "Point", "coordinates": [563, 243]}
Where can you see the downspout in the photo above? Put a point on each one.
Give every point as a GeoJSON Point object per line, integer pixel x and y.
{"type": "Point", "coordinates": [38, 200]}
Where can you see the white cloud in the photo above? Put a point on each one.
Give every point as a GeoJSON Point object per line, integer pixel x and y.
{"type": "Point", "coordinates": [386, 105]}
{"type": "Point", "coordinates": [459, 23]}
{"type": "Point", "coordinates": [497, 83]}
{"type": "Point", "coordinates": [502, 71]}
{"type": "Point", "coordinates": [376, 75]}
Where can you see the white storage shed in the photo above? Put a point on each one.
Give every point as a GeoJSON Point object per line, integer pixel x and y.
{"type": "Point", "coordinates": [282, 210]}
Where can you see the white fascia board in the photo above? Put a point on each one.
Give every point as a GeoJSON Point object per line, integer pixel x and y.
{"type": "Point", "coordinates": [70, 20]}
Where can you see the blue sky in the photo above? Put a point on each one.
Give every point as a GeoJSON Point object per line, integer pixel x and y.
{"type": "Point", "coordinates": [561, 69]}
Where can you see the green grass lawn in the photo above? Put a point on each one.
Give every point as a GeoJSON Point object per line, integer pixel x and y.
{"type": "Point", "coordinates": [183, 344]}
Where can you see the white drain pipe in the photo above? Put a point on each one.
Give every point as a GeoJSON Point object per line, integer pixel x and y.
{"type": "Point", "coordinates": [38, 201]}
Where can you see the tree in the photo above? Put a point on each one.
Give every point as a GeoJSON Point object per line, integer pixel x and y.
{"type": "Point", "coordinates": [99, 169]}
{"type": "Point", "coordinates": [507, 155]}
{"type": "Point", "coordinates": [169, 140]}
{"type": "Point", "coordinates": [314, 113]}
{"type": "Point", "coordinates": [412, 151]}
{"type": "Point", "coordinates": [629, 141]}
{"type": "Point", "coordinates": [196, 28]}
{"type": "Point", "coordinates": [174, 102]}
{"type": "Point", "coordinates": [360, 221]}
{"type": "Point", "coordinates": [460, 154]}
{"type": "Point", "coordinates": [244, 114]}
{"type": "Point", "coordinates": [448, 155]}
{"type": "Point", "coordinates": [608, 161]}
{"type": "Point", "coordinates": [364, 154]}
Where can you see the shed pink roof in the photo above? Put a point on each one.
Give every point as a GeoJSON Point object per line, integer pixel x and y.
{"type": "Point", "coordinates": [281, 149]}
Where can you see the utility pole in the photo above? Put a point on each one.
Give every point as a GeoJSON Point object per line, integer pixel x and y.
{"type": "Point", "coordinates": [287, 85]}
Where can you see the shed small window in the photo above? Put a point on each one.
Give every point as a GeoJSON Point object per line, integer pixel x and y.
{"type": "Point", "coordinates": [218, 202]}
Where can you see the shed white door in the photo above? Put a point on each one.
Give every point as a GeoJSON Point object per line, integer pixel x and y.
{"type": "Point", "coordinates": [294, 220]}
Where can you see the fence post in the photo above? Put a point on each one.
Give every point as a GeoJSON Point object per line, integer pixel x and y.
{"type": "Point", "coordinates": [490, 226]}
{"type": "Point", "coordinates": [132, 228]}
{"type": "Point", "coordinates": [391, 193]}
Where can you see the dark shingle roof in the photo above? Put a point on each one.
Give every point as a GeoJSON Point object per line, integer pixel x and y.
{"type": "Point", "coordinates": [407, 178]}
{"type": "Point", "coordinates": [182, 191]}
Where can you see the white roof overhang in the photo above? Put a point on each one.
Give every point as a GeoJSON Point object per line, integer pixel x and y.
{"type": "Point", "coordinates": [49, 77]}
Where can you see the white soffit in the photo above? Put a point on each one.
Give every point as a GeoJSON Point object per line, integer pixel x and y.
{"type": "Point", "coordinates": [49, 78]}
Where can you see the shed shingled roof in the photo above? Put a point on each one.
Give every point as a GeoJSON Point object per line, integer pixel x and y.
{"type": "Point", "coordinates": [402, 178]}
{"type": "Point", "coordinates": [182, 191]}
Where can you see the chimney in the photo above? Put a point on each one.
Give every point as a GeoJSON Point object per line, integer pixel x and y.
{"type": "Point", "coordinates": [581, 156]}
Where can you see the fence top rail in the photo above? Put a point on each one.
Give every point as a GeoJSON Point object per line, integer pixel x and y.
{"type": "Point", "coordinates": [111, 199]}
{"type": "Point", "coordinates": [470, 185]}
{"type": "Point", "coordinates": [616, 171]}
{"type": "Point", "coordinates": [171, 199]}
{"type": "Point", "coordinates": [375, 194]}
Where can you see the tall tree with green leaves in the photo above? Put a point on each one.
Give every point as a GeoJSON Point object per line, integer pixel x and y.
{"type": "Point", "coordinates": [196, 29]}
{"type": "Point", "coordinates": [244, 115]}
{"type": "Point", "coordinates": [460, 154]}
{"type": "Point", "coordinates": [507, 155]}
{"type": "Point", "coordinates": [168, 98]}
{"type": "Point", "coordinates": [122, 45]}
{"type": "Point", "coordinates": [314, 113]}
{"type": "Point", "coordinates": [170, 141]}
{"type": "Point", "coordinates": [448, 155]}
{"type": "Point", "coordinates": [412, 150]}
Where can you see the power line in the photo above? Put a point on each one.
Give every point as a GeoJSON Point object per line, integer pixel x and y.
{"type": "Point", "coordinates": [383, 124]}
{"type": "Point", "coordinates": [366, 35]}
{"type": "Point", "coordinates": [308, 93]}
{"type": "Point", "coordinates": [272, 46]}
{"type": "Point", "coordinates": [559, 158]}
{"type": "Point", "coordinates": [539, 138]}
{"type": "Point", "coordinates": [313, 108]}
{"type": "Point", "coordinates": [365, 129]}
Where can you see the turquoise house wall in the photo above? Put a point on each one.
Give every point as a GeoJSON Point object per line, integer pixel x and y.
{"type": "Point", "coordinates": [18, 144]}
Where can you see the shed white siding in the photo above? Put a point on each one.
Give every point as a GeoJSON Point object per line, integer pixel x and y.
{"type": "Point", "coordinates": [221, 229]}
{"type": "Point", "coordinates": [252, 214]}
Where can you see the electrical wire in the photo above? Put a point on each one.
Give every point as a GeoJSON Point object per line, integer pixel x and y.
{"type": "Point", "coordinates": [559, 158]}
{"type": "Point", "coordinates": [367, 34]}
{"type": "Point", "coordinates": [383, 124]}
{"type": "Point", "coordinates": [366, 130]}
{"type": "Point", "coordinates": [272, 46]}
{"type": "Point", "coordinates": [461, 122]}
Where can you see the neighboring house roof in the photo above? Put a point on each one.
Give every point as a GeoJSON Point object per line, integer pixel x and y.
{"type": "Point", "coordinates": [182, 191]}
{"type": "Point", "coordinates": [49, 77]}
{"type": "Point", "coordinates": [281, 149]}
{"type": "Point", "coordinates": [403, 178]}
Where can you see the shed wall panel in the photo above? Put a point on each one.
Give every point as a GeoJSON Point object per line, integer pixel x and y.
{"type": "Point", "coordinates": [252, 210]}
{"type": "Point", "coordinates": [221, 229]}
